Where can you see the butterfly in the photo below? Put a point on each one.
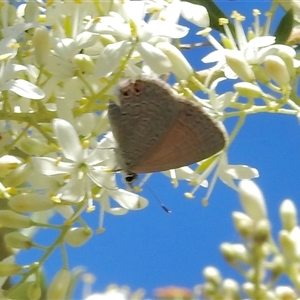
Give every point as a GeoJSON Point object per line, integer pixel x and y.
{"type": "Point", "coordinates": [157, 130]}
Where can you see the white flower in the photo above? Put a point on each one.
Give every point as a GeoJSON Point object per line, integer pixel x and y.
{"type": "Point", "coordinates": [243, 53]}
{"type": "Point", "coordinates": [180, 66]}
{"type": "Point", "coordinates": [218, 102]}
{"type": "Point", "coordinates": [288, 214]}
{"type": "Point", "coordinates": [138, 35]}
{"type": "Point", "coordinates": [85, 169]}
{"type": "Point", "coordinates": [185, 173]}
{"type": "Point", "coordinates": [252, 200]}
{"type": "Point", "coordinates": [126, 200]}
{"type": "Point", "coordinates": [13, 25]}
{"type": "Point", "coordinates": [171, 11]}
{"type": "Point", "coordinates": [227, 173]}
{"type": "Point", "coordinates": [9, 73]}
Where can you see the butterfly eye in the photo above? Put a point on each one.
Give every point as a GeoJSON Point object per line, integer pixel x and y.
{"type": "Point", "coordinates": [138, 87]}
{"type": "Point", "coordinates": [130, 177]}
{"type": "Point", "coordinates": [126, 93]}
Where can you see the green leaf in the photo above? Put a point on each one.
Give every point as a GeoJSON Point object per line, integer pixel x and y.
{"type": "Point", "coordinates": [215, 13]}
{"type": "Point", "coordinates": [285, 27]}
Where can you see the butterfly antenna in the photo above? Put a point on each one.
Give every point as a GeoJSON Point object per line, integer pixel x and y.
{"type": "Point", "coordinates": [131, 177]}
{"type": "Point", "coordinates": [158, 200]}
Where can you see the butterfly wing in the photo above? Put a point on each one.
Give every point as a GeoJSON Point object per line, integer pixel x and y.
{"type": "Point", "coordinates": [144, 114]}
{"type": "Point", "coordinates": [192, 137]}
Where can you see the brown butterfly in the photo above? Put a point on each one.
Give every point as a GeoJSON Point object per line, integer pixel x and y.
{"type": "Point", "coordinates": [158, 130]}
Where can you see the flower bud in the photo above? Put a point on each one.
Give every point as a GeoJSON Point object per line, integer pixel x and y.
{"type": "Point", "coordinates": [288, 214]}
{"type": "Point", "coordinates": [17, 176]}
{"type": "Point", "coordinates": [41, 43]}
{"type": "Point", "coordinates": [107, 39]}
{"type": "Point", "coordinates": [34, 291]}
{"type": "Point", "coordinates": [288, 245]}
{"type": "Point", "coordinates": [228, 252]}
{"type": "Point", "coordinates": [17, 240]}
{"type": "Point", "coordinates": [226, 42]}
{"type": "Point", "coordinates": [239, 65]}
{"type": "Point", "coordinates": [235, 252]}
{"type": "Point", "coordinates": [277, 69]}
{"type": "Point", "coordinates": [212, 275]}
{"type": "Point", "coordinates": [31, 12]}
{"type": "Point", "coordinates": [277, 266]}
{"type": "Point", "coordinates": [294, 272]}
{"type": "Point", "coordinates": [77, 236]}
{"type": "Point", "coordinates": [11, 219]}
{"type": "Point", "coordinates": [243, 224]}
{"type": "Point", "coordinates": [30, 203]}
{"type": "Point", "coordinates": [250, 290]}
{"type": "Point", "coordinates": [240, 253]}
{"type": "Point", "coordinates": [231, 289]}
{"type": "Point", "coordinates": [285, 293]}
{"type": "Point", "coordinates": [209, 290]}
{"type": "Point", "coordinates": [11, 15]}
{"type": "Point", "coordinates": [8, 163]}
{"type": "Point", "coordinates": [262, 231]}
{"type": "Point", "coordinates": [84, 63]}
{"type": "Point", "coordinates": [288, 60]}
{"type": "Point", "coordinates": [252, 200]}
{"type": "Point", "coordinates": [8, 269]}
{"type": "Point", "coordinates": [248, 90]}
{"type": "Point", "coordinates": [33, 146]}
{"type": "Point", "coordinates": [59, 285]}
{"type": "Point", "coordinates": [261, 74]}
{"type": "Point", "coordinates": [180, 66]}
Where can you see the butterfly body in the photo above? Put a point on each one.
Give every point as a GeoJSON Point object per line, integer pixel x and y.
{"type": "Point", "coordinates": [157, 130]}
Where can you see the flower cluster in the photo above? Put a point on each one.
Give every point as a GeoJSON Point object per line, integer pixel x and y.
{"type": "Point", "coordinates": [257, 258]}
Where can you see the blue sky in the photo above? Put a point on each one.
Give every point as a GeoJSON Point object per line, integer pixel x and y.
{"type": "Point", "coordinates": [150, 248]}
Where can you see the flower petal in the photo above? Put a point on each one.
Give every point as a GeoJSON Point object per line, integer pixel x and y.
{"type": "Point", "coordinates": [73, 191]}
{"type": "Point", "coordinates": [48, 166]}
{"type": "Point", "coordinates": [167, 29]}
{"type": "Point", "coordinates": [24, 89]}
{"type": "Point", "coordinates": [68, 140]}
{"type": "Point", "coordinates": [196, 14]}
{"type": "Point", "coordinates": [252, 200]}
{"type": "Point", "coordinates": [155, 58]}
{"type": "Point", "coordinates": [110, 58]}
{"type": "Point", "coordinates": [102, 178]}
{"type": "Point", "coordinates": [180, 66]}
{"type": "Point", "coordinates": [129, 200]}
{"type": "Point", "coordinates": [241, 172]}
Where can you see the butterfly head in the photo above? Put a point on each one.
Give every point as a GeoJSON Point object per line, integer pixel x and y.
{"type": "Point", "coordinates": [127, 89]}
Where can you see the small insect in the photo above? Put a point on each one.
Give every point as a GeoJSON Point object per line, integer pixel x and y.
{"type": "Point", "coordinates": [157, 130]}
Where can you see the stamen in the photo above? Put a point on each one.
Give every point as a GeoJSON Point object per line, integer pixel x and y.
{"type": "Point", "coordinates": [211, 186]}
{"type": "Point", "coordinates": [267, 23]}
{"type": "Point", "coordinates": [256, 14]}
{"type": "Point", "coordinates": [240, 34]}
{"type": "Point", "coordinates": [174, 178]}
{"type": "Point", "coordinates": [189, 195]}
{"type": "Point", "coordinates": [56, 199]}
{"type": "Point", "coordinates": [101, 220]}
{"type": "Point", "coordinates": [85, 144]}
{"type": "Point", "coordinates": [58, 160]}
{"type": "Point", "coordinates": [211, 39]}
